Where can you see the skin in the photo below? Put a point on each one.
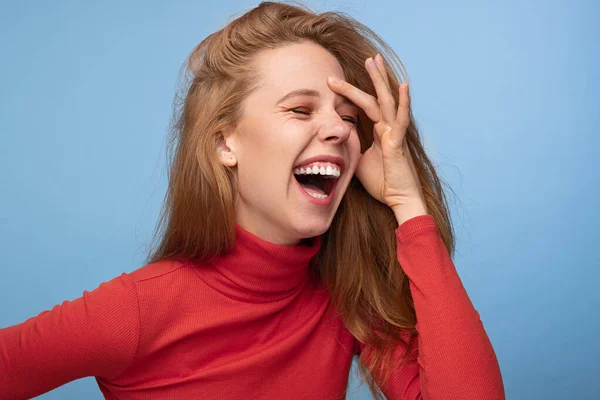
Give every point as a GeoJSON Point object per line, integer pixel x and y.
{"type": "Point", "coordinates": [273, 136]}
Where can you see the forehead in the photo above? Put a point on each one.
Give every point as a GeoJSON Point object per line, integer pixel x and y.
{"type": "Point", "coordinates": [289, 67]}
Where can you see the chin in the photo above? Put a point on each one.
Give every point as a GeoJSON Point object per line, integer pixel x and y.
{"type": "Point", "coordinates": [308, 229]}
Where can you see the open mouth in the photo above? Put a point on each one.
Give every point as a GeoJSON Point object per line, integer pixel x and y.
{"type": "Point", "coordinates": [319, 185]}
{"type": "Point", "coordinates": [319, 179]}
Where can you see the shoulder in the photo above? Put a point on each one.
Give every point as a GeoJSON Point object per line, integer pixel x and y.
{"type": "Point", "coordinates": [157, 271]}
{"type": "Point", "coordinates": [125, 288]}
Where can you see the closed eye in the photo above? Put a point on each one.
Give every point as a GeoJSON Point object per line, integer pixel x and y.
{"type": "Point", "coordinates": [353, 121]}
{"type": "Point", "coordinates": [305, 111]}
{"type": "Point", "coordinates": [302, 111]}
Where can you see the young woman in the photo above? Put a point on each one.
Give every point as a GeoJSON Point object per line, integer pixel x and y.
{"type": "Point", "coordinates": [303, 225]}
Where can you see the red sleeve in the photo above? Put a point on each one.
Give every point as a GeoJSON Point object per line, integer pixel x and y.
{"type": "Point", "coordinates": [455, 359]}
{"type": "Point", "coordinates": [94, 335]}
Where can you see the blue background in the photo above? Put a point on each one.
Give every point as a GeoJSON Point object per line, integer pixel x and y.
{"type": "Point", "coordinates": [505, 94]}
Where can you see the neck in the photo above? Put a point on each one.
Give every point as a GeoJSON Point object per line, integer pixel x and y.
{"type": "Point", "coordinates": [257, 270]}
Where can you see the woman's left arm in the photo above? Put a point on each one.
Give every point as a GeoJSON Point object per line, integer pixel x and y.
{"type": "Point", "coordinates": [455, 357]}
{"type": "Point", "coordinates": [456, 360]}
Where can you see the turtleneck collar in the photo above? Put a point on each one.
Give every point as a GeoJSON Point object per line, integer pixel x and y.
{"type": "Point", "coordinates": [258, 271]}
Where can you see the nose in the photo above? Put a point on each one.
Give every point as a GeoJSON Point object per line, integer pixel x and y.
{"type": "Point", "coordinates": [335, 129]}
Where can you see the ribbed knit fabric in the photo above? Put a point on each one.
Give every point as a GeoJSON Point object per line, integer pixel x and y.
{"type": "Point", "coordinates": [251, 325]}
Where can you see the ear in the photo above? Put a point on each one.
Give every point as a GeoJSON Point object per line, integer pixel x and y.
{"type": "Point", "coordinates": [226, 147]}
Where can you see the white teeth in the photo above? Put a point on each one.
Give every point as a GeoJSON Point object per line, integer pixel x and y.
{"type": "Point", "coordinates": [318, 195]}
{"type": "Point", "coordinates": [329, 171]}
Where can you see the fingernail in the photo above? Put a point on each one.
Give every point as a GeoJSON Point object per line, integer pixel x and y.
{"type": "Point", "coordinates": [370, 61]}
{"type": "Point", "coordinates": [334, 80]}
{"type": "Point", "coordinates": [378, 56]}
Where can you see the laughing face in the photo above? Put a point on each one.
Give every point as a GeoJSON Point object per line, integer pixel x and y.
{"type": "Point", "coordinates": [295, 148]}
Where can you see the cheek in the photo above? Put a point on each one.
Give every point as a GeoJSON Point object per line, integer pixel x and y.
{"type": "Point", "coordinates": [266, 152]}
{"type": "Point", "coordinates": [354, 149]}
{"type": "Point", "coordinates": [259, 142]}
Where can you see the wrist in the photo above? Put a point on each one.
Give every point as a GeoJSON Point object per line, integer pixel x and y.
{"type": "Point", "coordinates": [407, 211]}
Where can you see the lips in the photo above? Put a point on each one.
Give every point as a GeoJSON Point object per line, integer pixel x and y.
{"type": "Point", "coordinates": [319, 189]}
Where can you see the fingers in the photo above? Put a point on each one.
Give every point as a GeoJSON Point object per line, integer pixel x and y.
{"type": "Point", "coordinates": [380, 108]}
{"type": "Point", "coordinates": [364, 100]}
{"type": "Point", "coordinates": [381, 67]}
{"type": "Point", "coordinates": [403, 115]}
{"type": "Point", "coordinates": [384, 96]}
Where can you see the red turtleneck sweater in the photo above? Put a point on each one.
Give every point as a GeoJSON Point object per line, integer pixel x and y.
{"type": "Point", "coordinates": [249, 326]}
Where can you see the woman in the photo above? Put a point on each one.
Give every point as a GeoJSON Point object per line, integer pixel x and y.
{"type": "Point", "coordinates": [303, 225]}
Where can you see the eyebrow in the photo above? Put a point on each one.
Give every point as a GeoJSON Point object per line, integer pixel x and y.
{"type": "Point", "coordinates": [310, 93]}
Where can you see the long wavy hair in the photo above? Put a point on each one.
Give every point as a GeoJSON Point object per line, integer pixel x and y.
{"type": "Point", "coordinates": [357, 260]}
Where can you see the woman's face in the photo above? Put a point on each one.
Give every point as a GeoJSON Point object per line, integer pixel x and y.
{"type": "Point", "coordinates": [292, 120]}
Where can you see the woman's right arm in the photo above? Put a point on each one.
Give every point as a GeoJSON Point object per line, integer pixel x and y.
{"type": "Point", "coordinates": [96, 334]}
